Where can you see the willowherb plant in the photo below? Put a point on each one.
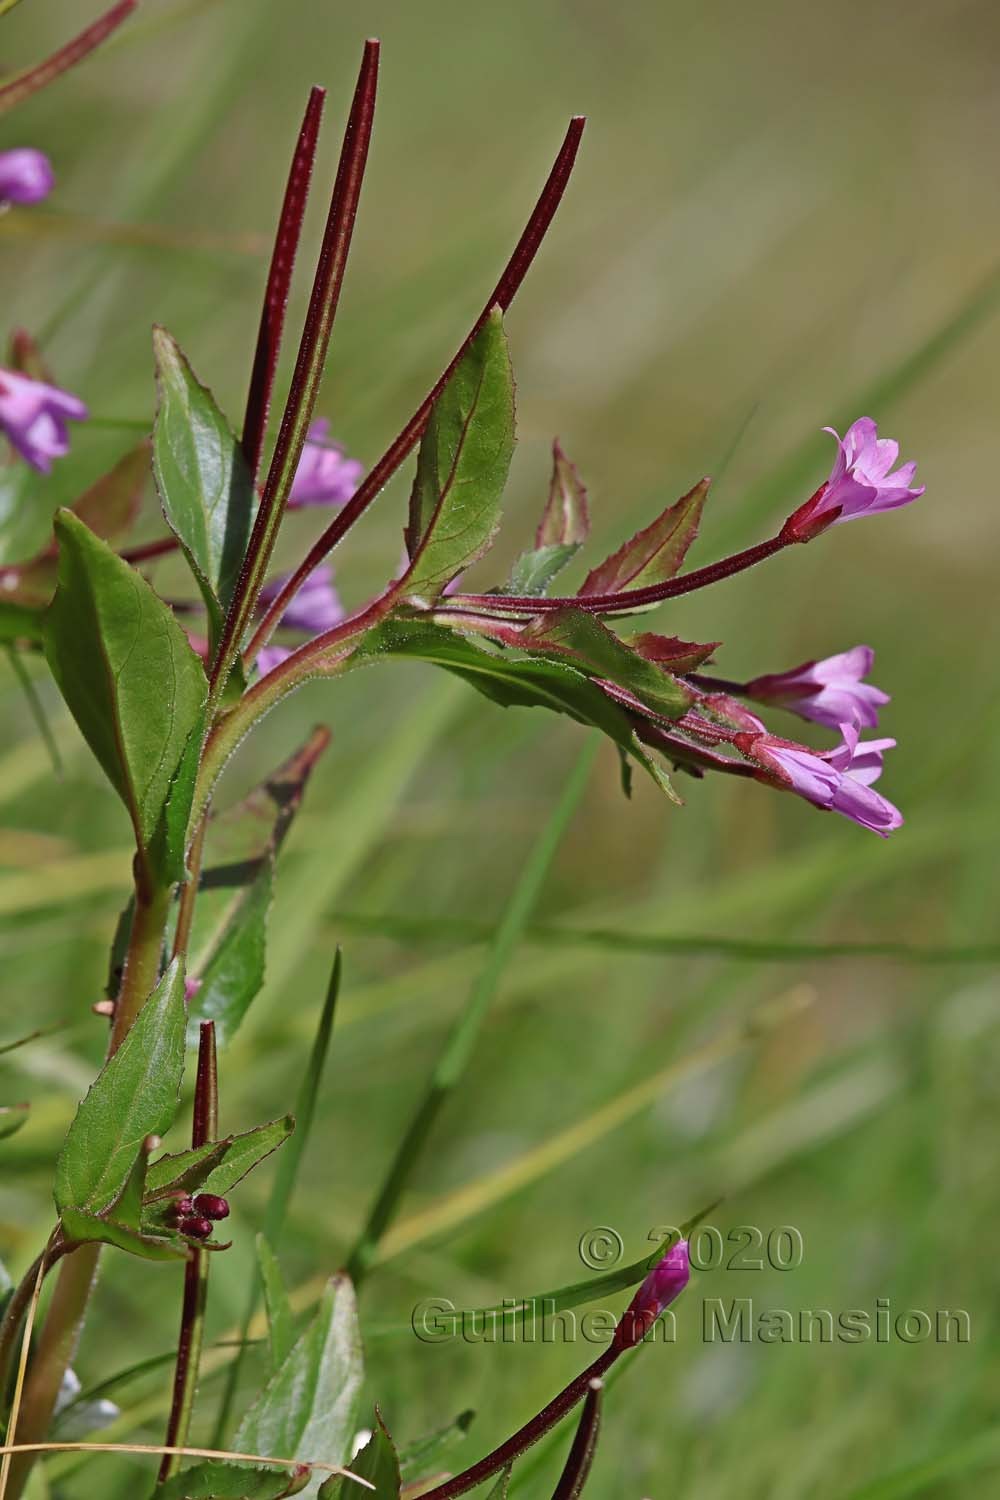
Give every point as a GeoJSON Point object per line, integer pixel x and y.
{"type": "Point", "coordinates": [164, 692]}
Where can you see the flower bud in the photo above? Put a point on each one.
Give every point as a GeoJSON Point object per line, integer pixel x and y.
{"type": "Point", "coordinates": [211, 1206]}
{"type": "Point", "coordinates": [666, 1280]}
{"type": "Point", "coordinates": [195, 1228]}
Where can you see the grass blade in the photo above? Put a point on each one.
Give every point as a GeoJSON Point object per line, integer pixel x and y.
{"type": "Point", "coordinates": [465, 1031]}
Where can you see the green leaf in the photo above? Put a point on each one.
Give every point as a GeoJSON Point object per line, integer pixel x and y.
{"type": "Point", "coordinates": [280, 1326]}
{"type": "Point", "coordinates": [424, 1454]}
{"type": "Point", "coordinates": [231, 965]}
{"type": "Point", "coordinates": [218, 1166]}
{"type": "Point", "coordinates": [594, 648]}
{"type": "Point", "coordinates": [566, 518]}
{"type": "Point", "coordinates": [462, 466]}
{"type": "Point", "coordinates": [287, 1172]}
{"type": "Point", "coordinates": [182, 1171]}
{"type": "Point", "coordinates": [307, 1409]}
{"type": "Point", "coordinates": [82, 1227]}
{"type": "Point", "coordinates": [377, 1462]}
{"type": "Point", "coordinates": [499, 1490]}
{"type": "Point", "coordinates": [654, 554]}
{"type": "Point", "coordinates": [213, 1480]}
{"type": "Point", "coordinates": [126, 1210]}
{"type": "Point", "coordinates": [12, 1117]}
{"type": "Point", "coordinates": [534, 571]}
{"type": "Point", "coordinates": [130, 679]}
{"type": "Point", "coordinates": [205, 487]}
{"type": "Point", "coordinates": [234, 970]}
{"type": "Point", "coordinates": [510, 680]}
{"type": "Point", "coordinates": [133, 1096]}
{"type": "Point", "coordinates": [245, 1152]}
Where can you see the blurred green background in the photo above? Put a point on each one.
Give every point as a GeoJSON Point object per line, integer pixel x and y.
{"type": "Point", "coordinates": [783, 216]}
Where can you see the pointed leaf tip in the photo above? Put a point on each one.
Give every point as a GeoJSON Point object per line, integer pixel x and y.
{"type": "Point", "coordinates": [654, 554]}
{"type": "Point", "coordinates": [566, 518]}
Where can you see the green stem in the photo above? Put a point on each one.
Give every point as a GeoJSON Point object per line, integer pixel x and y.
{"type": "Point", "coordinates": [68, 1308]}
{"type": "Point", "coordinates": [53, 1356]}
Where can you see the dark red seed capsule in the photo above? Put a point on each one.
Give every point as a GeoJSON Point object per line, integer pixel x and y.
{"type": "Point", "coordinates": [196, 1229]}
{"type": "Point", "coordinates": [184, 1207]}
{"type": "Point", "coordinates": [211, 1206]}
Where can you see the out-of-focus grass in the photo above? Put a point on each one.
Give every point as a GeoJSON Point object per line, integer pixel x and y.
{"type": "Point", "coordinates": [776, 207]}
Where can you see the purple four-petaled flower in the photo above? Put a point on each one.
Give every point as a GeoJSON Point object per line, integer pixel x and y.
{"type": "Point", "coordinates": [26, 175]}
{"type": "Point", "coordinates": [33, 416]}
{"type": "Point", "coordinates": [861, 483]}
{"type": "Point", "coordinates": [830, 692]}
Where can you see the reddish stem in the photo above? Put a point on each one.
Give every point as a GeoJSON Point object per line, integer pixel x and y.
{"type": "Point", "coordinates": [671, 745]}
{"type": "Point", "coordinates": [530, 1432]}
{"type": "Point", "coordinates": [628, 599]}
{"type": "Point", "coordinates": [74, 51]}
{"type": "Point", "coordinates": [308, 365]}
{"type": "Point", "coordinates": [581, 1455]}
{"type": "Point", "coordinates": [204, 1128]}
{"type": "Point", "coordinates": [502, 296]}
{"type": "Point", "coordinates": [147, 551]}
{"type": "Point", "coordinates": [279, 279]}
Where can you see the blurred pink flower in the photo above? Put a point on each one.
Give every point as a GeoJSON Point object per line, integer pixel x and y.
{"type": "Point", "coordinates": [830, 692]}
{"type": "Point", "coordinates": [33, 416]}
{"type": "Point", "coordinates": [860, 483]}
{"type": "Point", "coordinates": [324, 476]}
{"type": "Point", "coordinates": [26, 175]}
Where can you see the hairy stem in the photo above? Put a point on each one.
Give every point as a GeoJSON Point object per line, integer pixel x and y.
{"type": "Point", "coordinates": [530, 1433]}
{"type": "Point", "coordinates": [67, 1310]}
{"type": "Point", "coordinates": [501, 296]}
{"type": "Point", "coordinates": [189, 890]}
{"type": "Point", "coordinates": [279, 280]}
{"type": "Point", "coordinates": [627, 600]}
{"type": "Point", "coordinates": [74, 51]}
{"type": "Point", "coordinates": [308, 367]}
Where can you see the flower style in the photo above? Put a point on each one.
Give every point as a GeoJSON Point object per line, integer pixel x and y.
{"type": "Point", "coordinates": [838, 780]}
{"type": "Point", "coordinates": [33, 417]}
{"type": "Point", "coordinates": [860, 483]}
{"type": "Point", "coordinates": [26, 175]}
{"type": "Point", "coordinates": [324, 475]}
{"type": "Point", "coordinates": [315, 608]}
{"type": "Point", "coordinates": [830, 692]}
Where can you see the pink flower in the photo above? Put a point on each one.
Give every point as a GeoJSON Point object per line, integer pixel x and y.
{"type": "Point", "coordinates": [26, 175]}
{"type": "Point", "coordinates": [314, 608]}
{"type": "Point", "coordinates": [860, 483]}
{"type": "Point", "coordinates": [33, 416]}
{"type": "Point", "coordinates": [838, 780]}
{"type": "Point", "coordinates": [829, 692]}
{"type": "Point", "coordinates": [324, 475]}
